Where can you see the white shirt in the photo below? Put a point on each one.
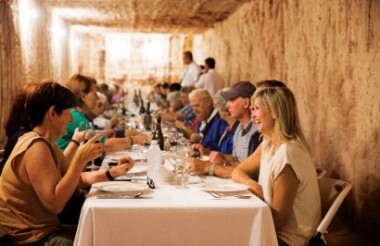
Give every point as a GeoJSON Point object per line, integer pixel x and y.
{"type": "Point", "coordinates": [190, 75]}
{"type": "Point", "coordinates": [306, 213]}
{"type": "Point", "coordinates": [210, 81]}
{"type": "Point", "coordinates": [102, 122]}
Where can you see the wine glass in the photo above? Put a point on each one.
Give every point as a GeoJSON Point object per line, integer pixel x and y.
{"type": "Point", "coordinates": [88, 128]}
{"type": "Point", "coordinates": [173, 140]}
{"type": "Point", "coordinates": [183, 164]}
{"type": "Point", "coordinates": [183, 167]}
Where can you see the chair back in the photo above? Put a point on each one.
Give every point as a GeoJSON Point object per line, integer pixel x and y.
{"type": "Point", "coordinates": [1, 155]}
{"type": "Point", "coordinates": [321, 173]}
{"type": "Point", "coordinates": [333, 192]}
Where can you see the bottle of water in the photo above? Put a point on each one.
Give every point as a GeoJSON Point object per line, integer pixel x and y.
{"type": "Point", "coordinates": [154, 162]}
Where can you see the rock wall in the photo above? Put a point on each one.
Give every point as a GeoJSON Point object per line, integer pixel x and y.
{"type": "Point", "coordinates": [11, 65]}
{"type": "Point", "coordinates": [328, 52]}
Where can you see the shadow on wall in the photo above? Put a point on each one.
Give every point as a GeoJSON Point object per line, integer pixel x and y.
{"type": "Point", "coordinates": [371, 211]}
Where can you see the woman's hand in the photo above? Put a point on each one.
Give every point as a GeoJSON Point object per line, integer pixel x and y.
{"type": "Point", "coordinates": [202, 150]}
{"type": "Point", "coordinates": [131, 132]}
{"type": "Point", "coordinates": [79, 136]}
{"type": "Point", "coordinates": [125, 164]}
{"type": "Point", "coordinates": [217, 158]}
{"type": "Point", "coordinates": [199, 167]}
{"type": "Point", "coordinates": [140, 139]}
{"type": "Point", "coordinates": [90, 150]}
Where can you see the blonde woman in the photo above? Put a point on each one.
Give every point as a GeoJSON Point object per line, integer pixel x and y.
{"type": "Point", "coordinates": [287, 180]}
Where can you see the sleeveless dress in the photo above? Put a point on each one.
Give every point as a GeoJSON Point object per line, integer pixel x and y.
{"type": "Point", "coordinates": [22, 214]}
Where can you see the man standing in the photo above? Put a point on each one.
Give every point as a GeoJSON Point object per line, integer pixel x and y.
{"type": "Point", "coordinates": [192, 71]}
{"type": "Point", "coordinates": [211, 80]}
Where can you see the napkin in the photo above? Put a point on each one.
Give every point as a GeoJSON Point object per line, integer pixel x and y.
{"type": "Point", "coordinates": [168, 164]}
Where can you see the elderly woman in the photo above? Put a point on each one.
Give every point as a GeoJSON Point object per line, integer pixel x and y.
{"type": "Point", "coordinates": [287, 180]}
{"type": "Point", "coordinates": [84, 88]}
{"type": "Point", "coordinates": [174, 100]}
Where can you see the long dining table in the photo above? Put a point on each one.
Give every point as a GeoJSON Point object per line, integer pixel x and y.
{"type": "Point", "coordinates": [168, 215]}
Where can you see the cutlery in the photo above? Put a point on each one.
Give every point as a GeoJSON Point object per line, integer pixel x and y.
{"type": "Point", "coordinates": [219, 195]}
{"type": "Point", "coordinates": [119, 196]}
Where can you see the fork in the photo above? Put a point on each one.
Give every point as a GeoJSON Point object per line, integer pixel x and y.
{"type": "Point", "coordinates": [218, 195]}
{"type": "Point", "coordinates": [115, 196]}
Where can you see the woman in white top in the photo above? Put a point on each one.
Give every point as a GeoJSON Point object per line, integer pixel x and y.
{"type": "Point", "coordinates": [287, 179]}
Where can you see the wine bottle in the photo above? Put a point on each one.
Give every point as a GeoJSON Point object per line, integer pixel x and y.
{"type": "Point", "coordinates": [147, 118]}
{"type": "Point", "coordinates": [136, 99]}
{"type": "Point", "coordinates": [158, 134]}
{"type": "Point", "coordinates": [142, 108]}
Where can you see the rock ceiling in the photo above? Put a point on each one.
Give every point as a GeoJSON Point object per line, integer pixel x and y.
{"type": "Point", "coordinates": [167, 16]}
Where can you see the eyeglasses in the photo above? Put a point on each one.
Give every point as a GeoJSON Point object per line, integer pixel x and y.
{"type": "Point", "coordinates": [150, 183]}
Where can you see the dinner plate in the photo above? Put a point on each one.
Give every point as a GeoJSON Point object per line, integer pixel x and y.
{"type": "Point", "coordinates": [121, 186]}
{"type": "Point", "coordinates": [223, 187]}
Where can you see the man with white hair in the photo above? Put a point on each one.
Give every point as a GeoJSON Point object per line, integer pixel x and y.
{"type": "Point", "coordinates": [212, 126]}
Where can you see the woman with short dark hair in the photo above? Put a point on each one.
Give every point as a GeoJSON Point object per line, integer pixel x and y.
{"type": "Point", "coordinates": [37, 179]}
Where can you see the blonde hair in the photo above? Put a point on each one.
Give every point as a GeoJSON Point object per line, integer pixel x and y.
{"type": "Point", "coordinates": [282, 104]}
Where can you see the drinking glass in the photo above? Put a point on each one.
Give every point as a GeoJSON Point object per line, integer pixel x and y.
{"type": "Point", "coordinates": [182, 168]}
{"type": "Point", "coordinates": [173, 140]}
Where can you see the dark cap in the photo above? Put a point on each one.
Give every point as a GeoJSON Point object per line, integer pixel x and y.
{"type": "Point", "coordinates": [244, 89]}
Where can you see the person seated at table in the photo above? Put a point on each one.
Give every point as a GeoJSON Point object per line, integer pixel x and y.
{"type": "Point", "coordinates": [99, 120]}
{"type": "Point", "coordinates": [37, 179]}
{"type": "Point", "coordinates": [18, 124]}
{"type": "Point", "coordinates": [212, 126]}
{"type": "Point", "coordinates": [287, 180]}
{"type": "Point", "coordinates": [156, 96]}
{"type": "Point", "coordinates": [226, 141]}
{"type": "Point", "coordinates": [84, 88]}
{"type": "Point", "coordinates": [238, 104]}
{"type": "Point", "coordinates": [185, 117]}
{"type": "Point", "coordinates": [174, 100]}
{"type": "Point", "coordinates": [175, 87]}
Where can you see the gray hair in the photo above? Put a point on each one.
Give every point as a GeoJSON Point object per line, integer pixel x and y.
{"type": "Point", "coordinates": [201, 93]}
{"type": "Point", "coordinates": [219, 101]}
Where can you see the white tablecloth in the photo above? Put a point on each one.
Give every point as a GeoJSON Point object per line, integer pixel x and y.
{"type": "Point", "coordinates": [173, 216]}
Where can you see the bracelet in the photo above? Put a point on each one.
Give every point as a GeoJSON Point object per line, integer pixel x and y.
{"type": "Point", "coordinates": [109, 176]}
{"type": "Point", "coordinates": [211, 171]}
{"type": "Point", "coordinates": [75, 141]}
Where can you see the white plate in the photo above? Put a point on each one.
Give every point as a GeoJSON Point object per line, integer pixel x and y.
{"type": "Point", "coordinates": [223, 187]}
{"type": "Point", "coordinates": [121, 186]}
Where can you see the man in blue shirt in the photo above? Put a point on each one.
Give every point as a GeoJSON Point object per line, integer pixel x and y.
{"type": "Point", "coordinates": [212, 126]}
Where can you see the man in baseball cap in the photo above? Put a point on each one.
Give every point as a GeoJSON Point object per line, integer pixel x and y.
{"type": "Point", "coordinates": [238, 97]}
